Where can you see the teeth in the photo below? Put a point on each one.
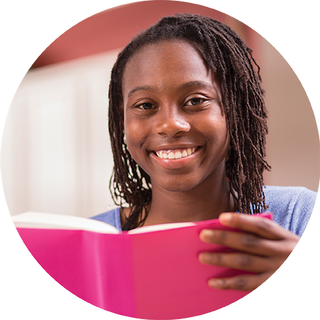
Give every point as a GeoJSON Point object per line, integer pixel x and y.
{"type": "Point", "coordinates": [171, 155]}
{"type": "Point", "coordinates": [175, 154]}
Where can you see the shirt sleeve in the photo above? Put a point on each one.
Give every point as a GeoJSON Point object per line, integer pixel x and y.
{"type": "Point", "coordinates": [291, 206]}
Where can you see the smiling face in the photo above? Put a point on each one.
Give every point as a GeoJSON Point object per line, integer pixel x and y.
{"type": "Point", "coordinates": [173, 120]}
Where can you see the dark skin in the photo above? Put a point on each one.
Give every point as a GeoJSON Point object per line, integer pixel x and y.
{"type": "Point", "coordinates": [177, 132]}
{"type": "Point", "coordinates": [264, 248]}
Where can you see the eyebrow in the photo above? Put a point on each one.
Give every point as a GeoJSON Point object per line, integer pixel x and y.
{"type": "Point", "coordinates": [201, 84]}
{"type": "Point", "coordinates": [140, 88]}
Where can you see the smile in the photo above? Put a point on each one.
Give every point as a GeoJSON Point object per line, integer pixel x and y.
{"type": "Point", "coordinates": [175, 154]}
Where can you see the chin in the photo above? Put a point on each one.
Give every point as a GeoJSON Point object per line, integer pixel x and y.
{"type": "Point", "coordinates": [176, 186]}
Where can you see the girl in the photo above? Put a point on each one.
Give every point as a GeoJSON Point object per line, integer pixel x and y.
{"type": "Point", "coordinates": [187, 123]}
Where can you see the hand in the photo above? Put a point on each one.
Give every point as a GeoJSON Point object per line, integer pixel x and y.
{"type": "Point", "coordinates": [264, 246]}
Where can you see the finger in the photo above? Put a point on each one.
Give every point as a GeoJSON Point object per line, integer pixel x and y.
{"type": "Point", "coordinates": [258, 225]}
{"type": "Point", "coordinates": [243, 282]}
{"type": "Point", "coordinates": [238, 241]}
{"type": "Point", "coordinates": [248, 242]}
{"type": "Point", "coordinates": [239, 261]}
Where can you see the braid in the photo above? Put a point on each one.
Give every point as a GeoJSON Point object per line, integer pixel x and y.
{"type": "Point", "coordinates": [243, 104]}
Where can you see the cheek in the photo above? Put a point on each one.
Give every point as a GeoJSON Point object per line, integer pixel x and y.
{"type": "Point", "coordinates": [217, 129]}
{"type": "Point", "coordinates": [135, 135]}
{"type": "Point", "coordinates": [219, 140]}
{"type": "Point", "coordinates": [133, 130]}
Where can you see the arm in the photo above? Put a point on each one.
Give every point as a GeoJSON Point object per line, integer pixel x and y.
{"type": "Point", "coordinates": [264, 246]}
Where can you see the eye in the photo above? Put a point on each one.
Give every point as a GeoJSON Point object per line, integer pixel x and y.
{"type": "Point", "coordinates": [194, 101]}
{"type": "Point", "coordinates": [145, 106]}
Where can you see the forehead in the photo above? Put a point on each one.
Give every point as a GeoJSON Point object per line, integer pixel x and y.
{"type": "Point", "coordinates": [165, 63]}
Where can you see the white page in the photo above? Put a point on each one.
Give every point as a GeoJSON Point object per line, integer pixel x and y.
{"type": "Point", "coordinates": [59, 221]}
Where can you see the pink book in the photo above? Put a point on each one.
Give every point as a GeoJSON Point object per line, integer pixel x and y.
{"type": "Point", "coordinates": [150, 273]}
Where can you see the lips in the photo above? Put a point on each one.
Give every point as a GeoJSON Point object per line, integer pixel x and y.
{"type": "Point", "coordinates": [173, 154]}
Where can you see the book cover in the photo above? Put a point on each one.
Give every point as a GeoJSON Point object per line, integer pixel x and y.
{"type": "Point", "coordinates": [149, 273]}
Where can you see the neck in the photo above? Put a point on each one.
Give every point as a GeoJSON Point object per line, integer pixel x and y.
{"type": "Point", "coordinates": [202, 203]}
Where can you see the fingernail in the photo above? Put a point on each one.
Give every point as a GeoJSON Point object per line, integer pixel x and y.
{"type": "Point", "coordinates": [226, 216]}
{"type": "Point", "coordinates": [215, 283]}
{"type": "Point", "coordinates": [205, 258]}
{"type": "Point", "coordinates": [206, 234]}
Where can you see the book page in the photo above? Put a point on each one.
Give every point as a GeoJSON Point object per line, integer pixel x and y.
{"type": "Point", "coordinates": [159, 227]}
{"type": "Point", "coordinates": [60, 221]}
{"type": "Point", "coordinates": [212, 223]}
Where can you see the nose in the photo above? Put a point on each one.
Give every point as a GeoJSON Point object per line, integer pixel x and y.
{"type": "Point", "coordinates": [171, 123]}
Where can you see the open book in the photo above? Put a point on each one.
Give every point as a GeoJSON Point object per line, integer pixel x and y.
{"type": "Point", "coordinates": [150, 272]}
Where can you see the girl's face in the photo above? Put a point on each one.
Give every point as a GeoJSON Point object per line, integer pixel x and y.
{"type": "Point", "coordinates": [174, 124]}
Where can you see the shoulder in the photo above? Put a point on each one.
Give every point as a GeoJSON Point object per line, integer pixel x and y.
{"type": "Point", "coordinates": [289, 196]}
{"type": "Point", "coordinates": [291, 206]}
{"type": "Point", "coordinates": [111, 217]}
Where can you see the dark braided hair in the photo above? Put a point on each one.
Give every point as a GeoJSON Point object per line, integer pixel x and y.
{"type": "Point", "coordinates": [243, 104]}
